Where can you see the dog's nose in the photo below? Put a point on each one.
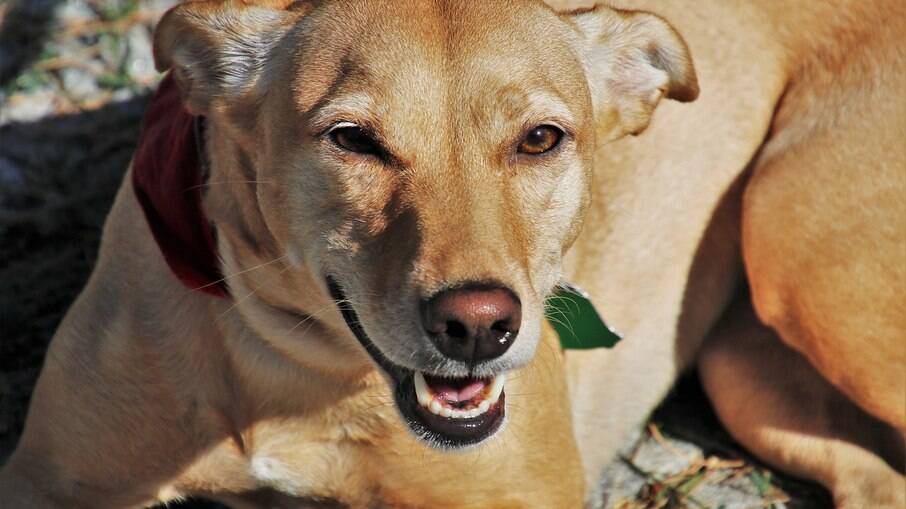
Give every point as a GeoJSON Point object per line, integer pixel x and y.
{"type": "Point", "coordinates": [472, 323]}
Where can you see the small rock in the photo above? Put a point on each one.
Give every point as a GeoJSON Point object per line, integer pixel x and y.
{"type": "Point", "coordinates": [75, 11]}
{"type": "Point", "coordinates": [112, 49]}
{"type": "Point", "coordinates": [122, 94]}
{"type": "Point", "coordinates": [158, 5]}
{"type": "Point", "coordinates": [140, 62]}
{"type": "Point", "coordinates": [27, 108]}
{"type": "Point", "coordinates": [11, 175]}
{"type": "Point", "coordinates": [79, 83]}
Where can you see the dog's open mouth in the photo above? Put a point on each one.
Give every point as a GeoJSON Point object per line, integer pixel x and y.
{"type": "Point", "coordinates": [445, 412]}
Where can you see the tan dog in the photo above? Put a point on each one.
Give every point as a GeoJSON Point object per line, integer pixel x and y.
{"type": "Point", "coordinates": [427, 164]}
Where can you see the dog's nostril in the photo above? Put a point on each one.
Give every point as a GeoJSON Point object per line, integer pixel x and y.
{"type": "Point", "coordinates": [502, 327]}
{"type": "Point", "coordinates": [472, 323]}
{"type": "Point", "coordinates": [456, 330]}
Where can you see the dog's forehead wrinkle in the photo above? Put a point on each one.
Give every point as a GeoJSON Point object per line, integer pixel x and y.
{"type": "Point", "coordinates": [406, 92]}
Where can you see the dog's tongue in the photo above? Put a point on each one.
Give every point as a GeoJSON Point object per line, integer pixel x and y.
{"type": "Point", "coordinates": [448, 392]}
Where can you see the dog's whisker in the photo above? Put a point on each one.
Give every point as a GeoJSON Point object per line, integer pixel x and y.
{"type": "Point", "coordinates": [310, 317]}
{"type": "Point", "coordinates": [511, 377]}
{"type": "Point", "coordinates": [241, 272]}
{"type": "Point", "coordinates": [566, 324]}
{"type": "Point", "coordinates": [568, 300]}
{"type": "Point", "coordinates": [239, 301]}
{"type": "Point", "coordinates": [226, 182]}
{"type": "Point", "coordinates": [388, 404]}
{"type": "Point", "coordinates": [523, 394]}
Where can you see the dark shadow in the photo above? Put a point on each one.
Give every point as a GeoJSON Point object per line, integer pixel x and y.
{"type": "Point", "coordinates": [58, 177]}
{"type": "Point", "coordinates": [688, 415]}
{"type": "Point", "coordinates": [23, 32]}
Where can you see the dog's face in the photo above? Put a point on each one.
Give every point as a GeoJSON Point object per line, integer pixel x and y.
{"type": "Point", "coordinates": [432, 162]}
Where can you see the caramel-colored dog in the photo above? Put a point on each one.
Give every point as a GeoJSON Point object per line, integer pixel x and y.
{"type": "Point", "coordinates": [396, 186]}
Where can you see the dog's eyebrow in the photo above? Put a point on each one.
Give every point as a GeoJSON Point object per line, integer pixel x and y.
{"type": "Point", "coordinates": [549, 107]}
{"type": "Point", "coordinates": [356, 109]}
{"type": "Point", "coordinates": [351, 108]}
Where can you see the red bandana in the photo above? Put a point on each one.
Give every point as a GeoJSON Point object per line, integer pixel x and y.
{"type": "Point", "coordinates": [168, 182]}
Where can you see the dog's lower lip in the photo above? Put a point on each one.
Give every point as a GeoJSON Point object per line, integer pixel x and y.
{"type": "Point", "coordinates": [482, 415]}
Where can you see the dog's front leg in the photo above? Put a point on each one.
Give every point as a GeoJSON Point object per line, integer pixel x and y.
{"type": "Point", "coordinates": [612, 392]}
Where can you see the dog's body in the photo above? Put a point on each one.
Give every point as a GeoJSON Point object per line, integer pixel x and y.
{"type": "Point", "coordinates": [153, 391]}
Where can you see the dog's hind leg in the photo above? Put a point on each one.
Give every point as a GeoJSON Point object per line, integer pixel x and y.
{"type": "Point", "coordinates": [776, 404]}
{"type": "Point", "coordinates": [824, 222]}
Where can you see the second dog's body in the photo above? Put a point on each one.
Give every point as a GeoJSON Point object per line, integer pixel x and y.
{"type": "Point", "coordinates": [153, 390]}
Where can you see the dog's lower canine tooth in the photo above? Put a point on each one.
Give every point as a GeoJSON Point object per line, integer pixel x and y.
{"type": "Point", "coordinates": [496, 389]}
{"type": "Point", "coordinates": [422, 391]}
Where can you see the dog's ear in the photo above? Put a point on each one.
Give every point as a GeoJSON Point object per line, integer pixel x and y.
{"type": "Point", "coordinates": [217, 50]}
{"type": "Point", "coordinates": [632, 60]}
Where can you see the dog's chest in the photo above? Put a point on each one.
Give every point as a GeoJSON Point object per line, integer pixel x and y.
{"type": "Point", "coordinates": [327, 456]}
{"type": "Point", "coordinates": [306, 461]}
{"type": "Point", "coordinates": [322, 470]}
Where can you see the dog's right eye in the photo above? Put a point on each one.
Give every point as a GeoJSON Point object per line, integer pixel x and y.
{"type": "Point", "coordinates": [355, 139]}
{"type": "Point", "coordinates": [539, 140]}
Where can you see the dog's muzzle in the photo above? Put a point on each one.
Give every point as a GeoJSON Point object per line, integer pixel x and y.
{"type": "Point", "coordinates": [472, 326]}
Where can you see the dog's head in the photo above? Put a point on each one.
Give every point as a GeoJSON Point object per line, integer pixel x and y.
{"type": "Point", "coordinates": [431, 163]}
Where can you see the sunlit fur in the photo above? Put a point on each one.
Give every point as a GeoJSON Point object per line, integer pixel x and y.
{"type": "Point", "coordinates": [170, 393]}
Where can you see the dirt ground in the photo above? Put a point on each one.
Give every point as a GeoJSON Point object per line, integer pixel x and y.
{"type": "Point", "coordinates": [74, 80]}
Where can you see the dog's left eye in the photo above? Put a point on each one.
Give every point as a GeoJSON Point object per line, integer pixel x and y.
{"type": "Point", "coordinates": [355, 139]}
{"type": "Point", "coordinates": [539, 140]}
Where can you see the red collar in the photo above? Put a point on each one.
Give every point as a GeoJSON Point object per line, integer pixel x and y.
{"type": "Point", "coordinates": [168, 182]}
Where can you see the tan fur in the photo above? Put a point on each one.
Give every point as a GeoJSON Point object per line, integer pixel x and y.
{"type": "Point", "coordinates": [151, 391]}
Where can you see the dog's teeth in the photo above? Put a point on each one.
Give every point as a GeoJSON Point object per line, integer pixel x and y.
{"type": "Point", "coordinates": [496, 389]}
{"type": "Point", "coordinates": [422, 392]}
{"type": "Point", "coordinates": [427, 399]}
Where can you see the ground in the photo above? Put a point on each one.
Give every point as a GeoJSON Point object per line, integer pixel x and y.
{"type": "Point", "coordinates": [74, 80]}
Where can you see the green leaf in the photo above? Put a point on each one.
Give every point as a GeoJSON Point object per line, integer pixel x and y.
{"type": "Point", "coordinates": [689, 485]}
{"type": "Point", "coordinates": [30, 81]}
{"type": "Point", "coordinates": [113, 80]}
{"type": "Point", "coordinates": [761, 481]}
{"type": "Point", "coordinates": [579, 325]}
{"type": "Point", "coordinates": [112, 10]}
